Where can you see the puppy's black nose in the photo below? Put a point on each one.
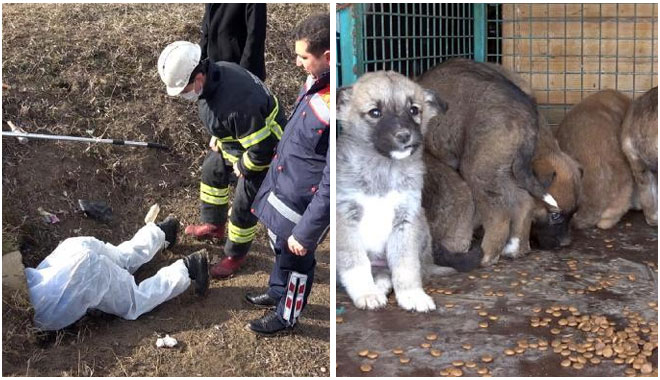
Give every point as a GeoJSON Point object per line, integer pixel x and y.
{"type": "Point", "coordinates": [403, 137]}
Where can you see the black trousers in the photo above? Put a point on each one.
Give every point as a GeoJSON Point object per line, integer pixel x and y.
{"type": "Point", "coordinates": [290, 280]}
{"type": "Point", "coordinates": [214, 194]}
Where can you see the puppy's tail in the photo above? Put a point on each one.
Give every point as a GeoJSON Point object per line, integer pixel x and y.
{"type": "Point", "coordinates": [462, 262]}
{"type": "Point", "coordinates": [433, 270]}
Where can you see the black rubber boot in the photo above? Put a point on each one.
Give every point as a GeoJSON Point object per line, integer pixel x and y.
{"type": "Point", "coordinates": [198, 271]}
{"type": "Point", "coordinates": [171, 227]}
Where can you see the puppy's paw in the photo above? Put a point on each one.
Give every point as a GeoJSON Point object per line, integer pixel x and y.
{"type": "Point", "coordinates": [384, 284]}
{"type": "Point", "coordinates": [487, 261]}
{"type": "Point", "coordinates": [415, 300]}
{"type": "Point", "coordinates": [514, 249]}
{"type": "Point", "coordinates": [370, 301]}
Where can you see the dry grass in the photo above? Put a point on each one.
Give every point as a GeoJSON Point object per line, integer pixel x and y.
{"type": "Point", "coordinates": [88, 69]}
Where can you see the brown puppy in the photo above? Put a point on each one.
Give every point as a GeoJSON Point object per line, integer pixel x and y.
{"type": "Point", "coordinates": [561, 176]}
{"type": "Point", "coordinates": [447, 200]}
{"type": "Point", "coordinates": [639, 142]}
{"type": "Point", "coordinates": [558, 173]}
{"type": "Point", "coordinates": [488, 135]}
{"type": "Point", "coordinates": [590, 134]}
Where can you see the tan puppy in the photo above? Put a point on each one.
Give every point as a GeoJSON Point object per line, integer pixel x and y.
{"type": "Point", "coordinates": [590, 134]}
{"type": "Point", "coordinates": [639, 142]}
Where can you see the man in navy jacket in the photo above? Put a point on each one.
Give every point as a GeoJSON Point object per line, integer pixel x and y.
{"type": "Point", "coordinates": [294, 199]}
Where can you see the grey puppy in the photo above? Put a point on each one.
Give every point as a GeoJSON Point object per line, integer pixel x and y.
{"type": "Point", "coordinates": [382, 234]}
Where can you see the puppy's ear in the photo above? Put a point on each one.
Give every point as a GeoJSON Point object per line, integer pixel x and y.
{"type": "Point", "coordinates": [544, 172]}
{"type": "Point", "coordinates": [344, 95]}
{"type": "Point", "coordinates": [432, 99]}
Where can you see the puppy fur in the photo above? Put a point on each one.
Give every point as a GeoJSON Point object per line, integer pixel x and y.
{"type": "Point", "coordinates": [639, 142]}
{"type": "Point", "coordinates": [383, 238]}
{"type": "Point", "coordinates": [590, 134]}
{"type": "Point", "coordinates": [488, 135]}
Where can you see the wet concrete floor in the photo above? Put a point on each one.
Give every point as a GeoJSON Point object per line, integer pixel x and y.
{"type": "Point", "coordinates": [602, 273]}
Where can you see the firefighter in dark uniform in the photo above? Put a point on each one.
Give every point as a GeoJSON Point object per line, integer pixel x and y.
{"type": "Point", "coordinates": [294, 200]}
{"type": "Point", "coordinates": [235, 32]}
{"type": "Point", "coordinates": [245, 120]}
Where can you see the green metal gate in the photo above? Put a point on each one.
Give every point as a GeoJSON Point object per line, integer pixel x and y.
{"type": "Point", "coordinates": [405, 37]}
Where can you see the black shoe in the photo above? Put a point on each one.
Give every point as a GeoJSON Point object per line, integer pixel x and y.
{"type": "Point", "coordinates": [269, 324]}
{"type": "Point", "coordinates": [171, 227]}
{"type": "Point", "coordinates": [263, 301]}
{"type": "Point", "coordinates": [198, 270]}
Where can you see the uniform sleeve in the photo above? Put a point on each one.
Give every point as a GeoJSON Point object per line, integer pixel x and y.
{"type": "Point", "coordinates": [315, 220]}
{"type": "Point", "coordinates": [205, 31]}
{"type": "Point", "coordinates": [253, 53]}
{"type": "Point", "coordinates": [255, 135]}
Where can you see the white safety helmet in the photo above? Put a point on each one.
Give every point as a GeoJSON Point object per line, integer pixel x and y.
{"type": "Point", "coordinates": [176, 63]}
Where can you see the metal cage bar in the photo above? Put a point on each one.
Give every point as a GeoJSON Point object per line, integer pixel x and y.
{"type": "Point", "coordinates": [408, 38]}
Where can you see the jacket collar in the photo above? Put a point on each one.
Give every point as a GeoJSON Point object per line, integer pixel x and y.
{"type": "Point", "coordinates": [213, 80]}
{"type": "Point", "coordinates": [314, 85]}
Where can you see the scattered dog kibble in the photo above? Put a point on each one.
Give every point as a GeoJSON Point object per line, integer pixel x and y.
{"type": "Point", "coordinates": [372, 355]}
{"type": "Point", "coordinates": [404, 360]}
{"type": "Point", "coordinates": [458, 363]}
{"type": "Point", "coordinates": [397, 351]}
{"type": "Point", "coordinates": [487, 358]}
{"type": "Point", "coordinates": [467, 346]}
{"type": "Point", "coordinates": [366, 368]}
{"type": "Point", "coordinates": [436, 353]}
{"type": "Point", "coordinates": [363, 353]}
{"type": "Point", "coordinates": [646, 368]}
{"type": "Point", "coordinates": [432, 337]}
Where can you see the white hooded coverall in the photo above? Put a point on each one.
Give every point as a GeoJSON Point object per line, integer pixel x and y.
{"type": "Point", "coordinates": [85, 273]}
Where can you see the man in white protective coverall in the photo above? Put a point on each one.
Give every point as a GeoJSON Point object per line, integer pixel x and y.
{"type": "Point", "coordinates": [84, 273]}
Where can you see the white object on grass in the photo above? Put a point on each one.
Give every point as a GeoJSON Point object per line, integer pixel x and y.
{"type": "Point", "coordinates": [168, 341]}
{"type": "Point", "coordinates": [152, 214]}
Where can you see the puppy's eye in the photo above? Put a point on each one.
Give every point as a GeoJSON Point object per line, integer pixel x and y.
{"type": "Point", "coordinates": [556, 217]}
{"type": "Point", "coordinates": [375, 113]}
{"type": "Point", "coordinates": [414, 110]}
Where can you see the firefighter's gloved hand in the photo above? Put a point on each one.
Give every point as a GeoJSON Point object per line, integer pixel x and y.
{"type": "Point", "coordinates": [236, 171]}
{"type": "Point", "coordinates": [295, 247]}
{"type": "Point", "coordinates": [213, 144]}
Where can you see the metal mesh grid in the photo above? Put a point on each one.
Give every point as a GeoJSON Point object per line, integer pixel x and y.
{"type": "Point", "coordinates": [568, 51]}
{"type": "Point", "coordinates": [407, 38]}
{"type": "Point", "coordinates": [411, 38]}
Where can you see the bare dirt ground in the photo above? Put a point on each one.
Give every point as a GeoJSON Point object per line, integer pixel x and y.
{"type": "Point", "coordinates": [545, 314]}
{"type": "Point", "coordinates": [90, 70]}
